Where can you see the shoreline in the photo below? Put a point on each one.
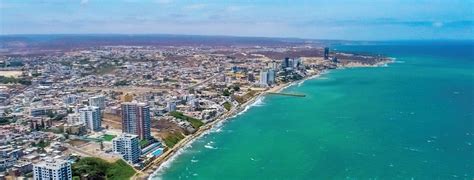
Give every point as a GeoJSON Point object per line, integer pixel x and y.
{"type": "Point", "coordinates": [167, 157]}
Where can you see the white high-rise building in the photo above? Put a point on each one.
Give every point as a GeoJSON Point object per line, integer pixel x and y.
{"type": "Point", "coordinates": [98, 101]}
{"type": "Point", "coordinates": [264, 78]}
{"type": "Point", "coordinates": [271, 76]}
{"type": "Point", "coordinates": [128, 146]}
{"type": "Point", "coordinates": [52, 169]}
{"type": "Point", "coordinates": [91, 117]}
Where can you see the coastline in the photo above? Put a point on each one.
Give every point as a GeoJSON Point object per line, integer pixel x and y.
{"type": "Point", "coordinates": [167, 157]}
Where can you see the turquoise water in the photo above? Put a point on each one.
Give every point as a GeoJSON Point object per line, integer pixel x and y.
{"type": "Point", "coordinates": [412, 119]}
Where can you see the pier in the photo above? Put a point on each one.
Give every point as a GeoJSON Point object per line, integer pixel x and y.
{"type": "Point", "coordinates": [287, 94]}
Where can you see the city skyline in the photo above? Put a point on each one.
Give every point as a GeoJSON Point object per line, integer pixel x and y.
{"type": "Point", "coordinates": [339, 20]}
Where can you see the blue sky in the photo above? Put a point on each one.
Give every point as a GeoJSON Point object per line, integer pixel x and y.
{"type": "Point", "coordinates": [318, 19]}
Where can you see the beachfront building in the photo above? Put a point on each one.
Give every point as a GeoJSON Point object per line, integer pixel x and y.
{"type": "Point", "coordinates": [263, 78]}
{"type": "Point", "coordinates": [98, 101]}
{"type": "Point", "coordinates": [91, 117]}
{"type": "Point", "coordinates": [52, 169]}
{"type": "Point", "coordinates": [326, 53]}
{"type": "Point", "coordinates": [128, 146]}
{"type": "Point", "coordinates": [267, 77]}
{"type": "Point", "coordinates": [136, 119]}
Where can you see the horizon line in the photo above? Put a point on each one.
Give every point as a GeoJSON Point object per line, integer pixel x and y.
{"type": "Point", "coordinates": [230, 36]}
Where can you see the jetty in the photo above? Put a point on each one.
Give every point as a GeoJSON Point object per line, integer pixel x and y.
{"type": "Point", "coordinates": [287, 94]}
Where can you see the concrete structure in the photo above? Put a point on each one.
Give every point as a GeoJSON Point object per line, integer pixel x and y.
{"type": "Point", "coordinates": [326, 53]}
{"type": "Point", "coordinates": [128, 146]}
{"type": "Point", "coordinates": [171, 106]}
{"type": "Point", "coordinates": [136, 119]}
{"type": "Point", "coordinates": [264, 78]}
{"type": "Point", "coordinates": [52, 169]}
{"type": "Point", "coordinates": [98, 101]}
{"type": "Point", "coordinates": [91, 117]}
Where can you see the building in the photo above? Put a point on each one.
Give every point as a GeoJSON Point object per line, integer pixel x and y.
{"type": "Point", "coordinates": [91, 117]}
{"type": "Point", "coordinates": [271, 76]}
{"type": "Point", "coordinates": [326, 53]}
{"type": "Point", "coordinates": [263, 78]}
{"type": "Point", "coordinates": [52, 169]}
{"type": "Point", "coordinates": [286, 63]}
{"type": "Point", "coordinates": [98, 101]}
{"type": "Point", "coordinates": [171, 106]}
{"type": "Point", "coordinates": [136, 119]}
{"type": "Point", "coordinates": [70, 99]}
{"type": "Point", "coordinates": [334, 59]}
{"type": "Point", "coordinates": [128, 146]}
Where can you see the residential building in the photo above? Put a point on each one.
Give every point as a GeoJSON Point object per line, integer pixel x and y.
{"type": "Point", "coordinates": [128, 146]}
{"type": "Point", "coordinates": [98, 101]}
{"type": "Point", "coordinates": [136, 119]}
{"type": "Point", "coordinates": [91, 117]}
{"type": "Point", "coordinates": [52, 169]}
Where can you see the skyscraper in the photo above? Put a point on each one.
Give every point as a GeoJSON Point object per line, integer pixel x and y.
{"type": "Point", "coordinates": [52, 169]}
{"type": "Point", "coordinates": [128, 146]}
{"type": "Point", "coordinates": [286, 63]}
{"type": "Point", "coordinates": [136, 119]}
{"type": "Point", "coordinates": [91, 117]}
{"type": "Point", "coordinates": [264, 78]}
{"type": "Point", "coordinates": [98, 101]}
{"type": "Point", "coordinates": [271, 76]}
{"type": "Point", "coordinates": [326, 53]}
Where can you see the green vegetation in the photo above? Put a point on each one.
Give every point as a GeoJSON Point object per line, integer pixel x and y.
{"type": "Point", "coordinates": [13, 80]}
{"type": "Point", "coordinates": [96, 168]}
{"type": "Point", "coordinates": [196, 123]}
{"type": "Point", "coordinates": [226, 92]}
{"type": "Point", "coordinates": [144, 143]}
{"type": "Point", "coordinates": [108, 137]}
{"type": "Point", "coordinates": [6, 120]}
{"type": "Point", "coordinates": [173, 138]}
{"type": "Point", "coordinates": [41, 144]}
{"type": "Point", "coordinates": [227, 105]}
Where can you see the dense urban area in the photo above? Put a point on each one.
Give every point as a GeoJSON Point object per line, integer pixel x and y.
{"type": "Point", "coordinates": [118, 112]}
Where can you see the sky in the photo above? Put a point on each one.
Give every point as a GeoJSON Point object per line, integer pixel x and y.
{"type": "Point", "coordinates": [314, 19]}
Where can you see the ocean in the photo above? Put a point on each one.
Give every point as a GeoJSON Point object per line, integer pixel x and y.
{"type": "Point", "coordinates": [413, 119]}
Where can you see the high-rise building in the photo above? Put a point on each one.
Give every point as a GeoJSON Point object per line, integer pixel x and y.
{"type": "Point", "coordinates": [127, 145]}
{"type": "Point", "coordinates": [52, 169]}
{"type": "Point", "coordinates": [334, 59]}
{"type": "Point", "coordinates": [326, 53]}
{"type": "Point", "coordinates": [264, 78]}
{"type": "Point", "coordinates": [286, 63]}
{"type": "Point", "coordinates": [91, 117]}
{"type": "Point", "coordinates": [98, 101]}
{"type": "Point", "coordinates": [271, 76]}
{"type": "Point", "coordinates": [136, 119]}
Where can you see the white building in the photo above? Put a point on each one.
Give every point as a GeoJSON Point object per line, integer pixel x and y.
{"type": "Point", "coordinates": [91, 117]}
{"type": "Point", "coordinates": [128, 146]}
{"type": "Point", "coordinates": [171, 106]}
{"type": "Point", "coordinates": [52, 169]}
{"type": "Point", "coordinates": [271, 76]}
{"type": "Point", "coordinates": [264, 78]}
{"type": "Point", "coordinates": [98, 101]}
